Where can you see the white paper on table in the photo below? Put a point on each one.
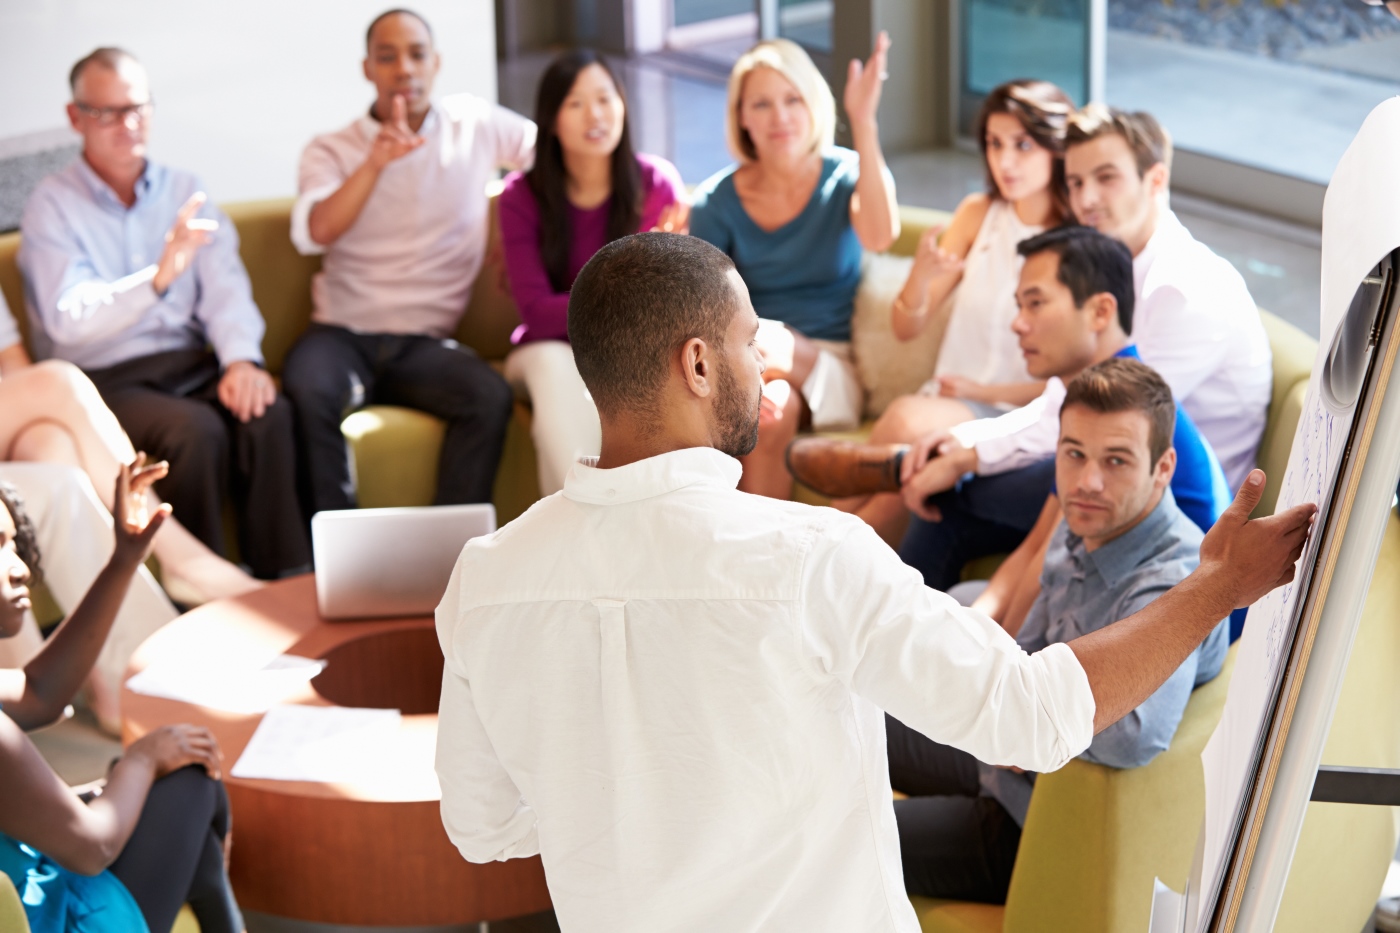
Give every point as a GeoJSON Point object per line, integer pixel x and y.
{"type": "Point", "coordinates": [236, 688]}
{"type": "Point", "coordinates": [1361, 225]}
{"type": "Point", "coordinates": [327, 744]}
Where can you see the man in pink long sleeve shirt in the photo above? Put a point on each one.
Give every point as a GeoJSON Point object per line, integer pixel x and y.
{"type": "Point", "coordinates": [396, 202]}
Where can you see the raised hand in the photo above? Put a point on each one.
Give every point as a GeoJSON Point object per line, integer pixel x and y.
{"type": "Point", "coordinates": [185, 238]}
{"type": "Point", "coordinates": [395, 139]}
{"type": "Point", "coordinates": [246, 390]}
{"type": "Point", "coordinates": [171, 748]}
{"type": "Point", "coordinates": [864, 81]}
{"type": "Point", "coordinates": [1253, 556]}
{"type": "Point", "coordinates": [135, 525]}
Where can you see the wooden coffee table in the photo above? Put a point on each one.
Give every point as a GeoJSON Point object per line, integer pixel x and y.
{"type": "Point", "coordinates": [333, 853]}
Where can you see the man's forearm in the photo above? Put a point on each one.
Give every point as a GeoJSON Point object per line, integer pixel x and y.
{"type": "Point", "coordinates": [332, 217]}
{"type": "Point", "coordinates": [1127, 661]}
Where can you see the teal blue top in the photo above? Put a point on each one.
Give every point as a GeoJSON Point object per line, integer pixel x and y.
{"type": "Point", "coordinates": [805, 273]}
{"type": "Point", "coordinates": [57, 900]}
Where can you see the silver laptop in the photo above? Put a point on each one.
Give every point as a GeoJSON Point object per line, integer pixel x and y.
{"type": "Point", "coordinates": [373, 563]}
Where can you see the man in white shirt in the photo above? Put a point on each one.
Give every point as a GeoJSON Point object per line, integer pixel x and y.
{"type": "Point", "coordinates": [1196, 323]}
{"type": "Point", "coordinates": [673, 691]}
{"type": "Point", "coordinates": [397, 203]}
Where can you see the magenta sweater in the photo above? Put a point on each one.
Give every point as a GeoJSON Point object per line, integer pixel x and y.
{"type": "Point", "coordinates": [544, 313]}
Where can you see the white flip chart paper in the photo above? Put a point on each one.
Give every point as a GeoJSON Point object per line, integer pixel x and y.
{"type": "Point", "coordinates": [1361, 225]}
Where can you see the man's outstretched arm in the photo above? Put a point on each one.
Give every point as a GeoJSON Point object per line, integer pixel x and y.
{"type": "Point", "coordinates": [1241, 560]}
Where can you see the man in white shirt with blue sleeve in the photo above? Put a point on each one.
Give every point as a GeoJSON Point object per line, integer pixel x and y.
{"type": "Point", "coordinates": [673, 691]}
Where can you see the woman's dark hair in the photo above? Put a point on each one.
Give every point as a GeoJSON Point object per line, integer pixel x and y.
{"type": "Point", "coordinates": [1044, 112]}
{"type": "Point", "coordinates": [549, 178]}
{"type": "Point", "coordinates": [26, 541]}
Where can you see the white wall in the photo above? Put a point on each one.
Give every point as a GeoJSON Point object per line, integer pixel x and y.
{"type": "Point", "coordinates": [240, 85]}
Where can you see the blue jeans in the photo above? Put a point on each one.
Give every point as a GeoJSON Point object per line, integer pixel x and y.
{"type": "Point", "coordinates": [982, 516]}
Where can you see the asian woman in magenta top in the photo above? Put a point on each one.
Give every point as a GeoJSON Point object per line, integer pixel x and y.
{"type": "Point", "coordinates": [586, 189]}
{"type": "Point", "coordinates": [794, 215]}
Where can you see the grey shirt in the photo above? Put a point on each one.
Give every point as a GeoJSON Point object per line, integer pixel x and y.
{"type": "Point", "coordinates": [1082, 591]}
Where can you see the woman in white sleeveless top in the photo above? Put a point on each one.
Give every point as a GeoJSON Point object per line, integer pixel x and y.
{"type": "Point", "coordinates": [980, 371]}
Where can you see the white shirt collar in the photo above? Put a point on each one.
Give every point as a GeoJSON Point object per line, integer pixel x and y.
{"type": "Point", "coordinates": [654, 476]}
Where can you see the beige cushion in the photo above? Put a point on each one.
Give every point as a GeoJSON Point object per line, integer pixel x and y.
{"type": "Point", "coordinates": [889, 367]}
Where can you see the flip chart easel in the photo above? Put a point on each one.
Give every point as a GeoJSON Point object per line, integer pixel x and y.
{"type": "Point", "coordinates": [1262, 765]}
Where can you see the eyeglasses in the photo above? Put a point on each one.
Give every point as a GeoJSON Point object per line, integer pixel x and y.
{"type": "Point", "coordinates": [110, 116]}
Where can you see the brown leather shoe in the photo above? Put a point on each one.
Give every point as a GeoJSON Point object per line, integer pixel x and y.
{"type": "Point", "coordinates": [841, 468]}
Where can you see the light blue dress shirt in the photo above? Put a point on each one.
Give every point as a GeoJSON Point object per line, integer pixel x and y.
{"type": "Point", "coordinates": [88, 262]}
{"type": "Point", "coordinates": [1082, 591]}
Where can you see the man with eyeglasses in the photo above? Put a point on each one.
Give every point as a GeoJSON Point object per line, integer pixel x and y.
{"type": "Point", "coordinates": [134, 277]}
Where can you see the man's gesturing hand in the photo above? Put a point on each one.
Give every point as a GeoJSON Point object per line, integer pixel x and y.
{"type": "Point", "coordinates": [395, 139]}
{"type": "Point", "coordinates": [182, 241]}
{"type": "Point", "coordinates": [246, 390]}
{"type": "Point", "coordinates": [1253, 556]}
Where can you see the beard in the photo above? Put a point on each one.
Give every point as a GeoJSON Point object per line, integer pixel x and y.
{"type": "Point", "coordinates": [737, 414]}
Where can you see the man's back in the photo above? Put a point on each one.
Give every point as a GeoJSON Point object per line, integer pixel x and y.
{"type": "Point", "coordinates": [673, 691]}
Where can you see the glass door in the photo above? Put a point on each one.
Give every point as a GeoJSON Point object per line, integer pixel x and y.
{"type": "Point", "coordinates": [1054, 40]}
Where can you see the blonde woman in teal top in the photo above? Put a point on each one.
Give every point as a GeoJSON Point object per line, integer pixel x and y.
{"type": "Point", "coordinates": [794, 214]}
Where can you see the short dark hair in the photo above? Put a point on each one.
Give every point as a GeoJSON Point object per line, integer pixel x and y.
{"type": "Point", "coordinates": [109, 57]}
{"type": "Point", "coordinates": [1126, 384]}
{"type": "Point", "coordinates": [396, 11]}
{"type": "Point", "coordinates": [26, 539]}
{"type": "Point", "coordinates": [635, 303]}
{"type": "Point", "coordinates": [1091, 263]}
{"type": "Point", "coordinates": [1149, 141]}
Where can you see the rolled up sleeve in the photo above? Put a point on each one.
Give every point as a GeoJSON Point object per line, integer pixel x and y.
{"type": "Point", "coordinates": [946, 671]}
{"type": "Point", "coordinates": [319, 176]}
{"type": "Point", "coordinates": [482, 809]}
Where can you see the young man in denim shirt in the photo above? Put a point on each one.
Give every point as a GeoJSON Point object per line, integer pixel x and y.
{"type": "Point", "coordinates": [1123, 542]}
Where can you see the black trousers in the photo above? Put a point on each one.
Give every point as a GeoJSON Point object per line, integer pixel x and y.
{"type": "Point", "coordinates": [333, 371]}
{"type": "Point", "coordinates": [168, 403]}
{"type": "Point", "coordinates": [176, 854]}
{"type": "Point", "coordinates": [985, 515]}
{"type": "Point", "coordinates": [954, 842]}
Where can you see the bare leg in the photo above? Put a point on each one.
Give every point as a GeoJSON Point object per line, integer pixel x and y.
{"type": "Point", "coordinates": [907, 419]}
{"type": "Point", "coordinates": [41, 403]}
{"type": "Point", "coordinates": [765, 472]}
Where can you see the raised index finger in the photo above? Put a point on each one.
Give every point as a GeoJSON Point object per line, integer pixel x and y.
{"type": "Point", "coordinates": [398, 112]}
{"type": "Point", "coordinates": [190, 208]}
{"type": "Point", "coordinates": [882, 45]}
